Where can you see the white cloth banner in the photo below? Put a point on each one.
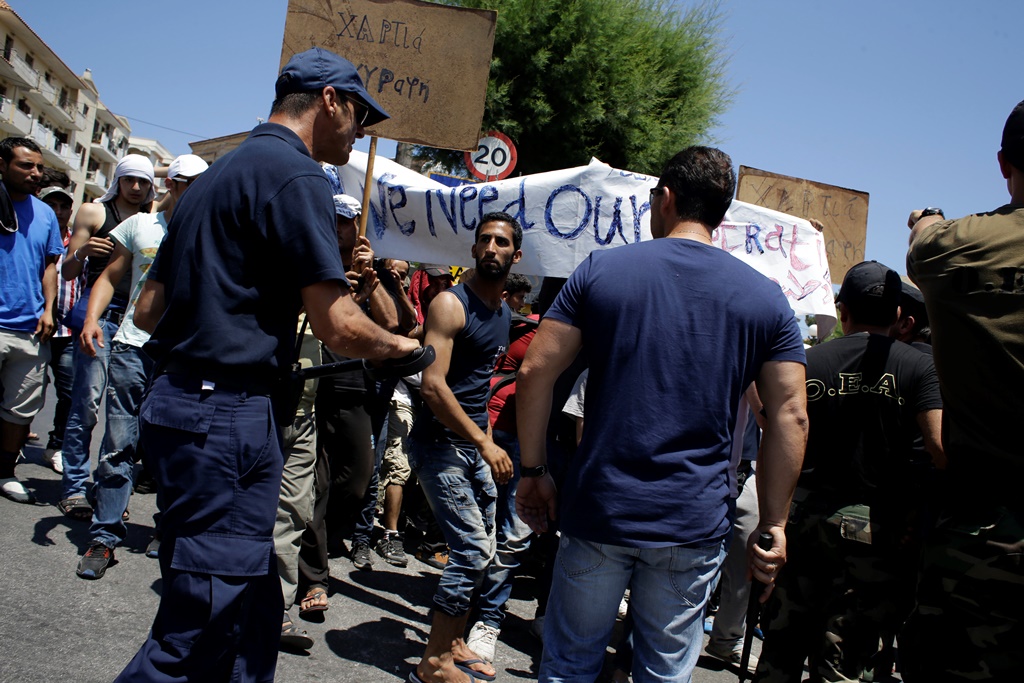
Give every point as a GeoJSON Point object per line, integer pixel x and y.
{"type": "Point", "coordinates": [568, 214]}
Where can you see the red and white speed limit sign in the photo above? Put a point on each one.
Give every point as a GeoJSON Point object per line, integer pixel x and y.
{"type": "Point", "coordinates": [494, 158]}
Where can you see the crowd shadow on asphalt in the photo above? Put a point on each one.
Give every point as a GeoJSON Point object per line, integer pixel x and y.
{"type": "Point", "coordinates": [382, 644]}
{"type": "Point", "coordinates": [415, 589]}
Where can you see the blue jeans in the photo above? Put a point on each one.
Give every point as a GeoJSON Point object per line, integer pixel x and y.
{"type": "Point", "coordinates": [513, 537]}
{"type": "Point", "coordinates": [87, 387]}
{"type": "Point", "coordinates": [669, 587]}
{"type": "Point", "coordinates": [62, 351]}
{"type": "Point", "coordinates": [127, 373]}
{"type": "Point", "coordinates": [458, 487]}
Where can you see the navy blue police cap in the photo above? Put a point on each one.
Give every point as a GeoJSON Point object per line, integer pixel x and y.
{"type": "Point", "coordinates": [317, 68]}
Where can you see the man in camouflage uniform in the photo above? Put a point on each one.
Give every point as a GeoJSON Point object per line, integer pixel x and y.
{"type": "Point", "coordinates": [852, 553]}
{"type": "Point", "coordinates": [967, 624]}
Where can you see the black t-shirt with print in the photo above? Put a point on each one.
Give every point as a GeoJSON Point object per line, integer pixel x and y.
{"type": "Point", "coordinates": [864, 392]}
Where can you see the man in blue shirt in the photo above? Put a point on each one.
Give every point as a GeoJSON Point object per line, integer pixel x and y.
{"type": "Point", "coordinates": [251, 243]}
{"type": "Point", "coordinates": [673, 330]}
{"type": "Point", "coordinates": [30, 244]}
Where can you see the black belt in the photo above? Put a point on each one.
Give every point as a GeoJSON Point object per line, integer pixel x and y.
{"type": "Point", "coordinates": [222, 378]}
{"type": "Point", "coordinates": [114, 315]}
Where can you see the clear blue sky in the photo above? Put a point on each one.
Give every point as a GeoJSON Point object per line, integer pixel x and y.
{"type": "Point", "coordinates": [903, 100]}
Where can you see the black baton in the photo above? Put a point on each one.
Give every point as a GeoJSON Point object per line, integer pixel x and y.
{"type": "Point", "coordinates": [764, 542]}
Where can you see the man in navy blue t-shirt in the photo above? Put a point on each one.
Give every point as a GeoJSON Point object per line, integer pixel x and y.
{"type": "Point", "coordinates": [251, 242]}
{"type": "Point", "coordinates": [673, 330]}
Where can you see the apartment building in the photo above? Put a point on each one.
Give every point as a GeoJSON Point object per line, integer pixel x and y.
{"type": "Point", "coordinates": [43, 99]}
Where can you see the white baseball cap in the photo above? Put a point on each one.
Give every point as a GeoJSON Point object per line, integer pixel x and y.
{"type": "Point", "coordinates": [187, 166]}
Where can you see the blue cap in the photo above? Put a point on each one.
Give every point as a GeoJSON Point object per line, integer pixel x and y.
{"type": "Point", "coordinates": [316, 68]}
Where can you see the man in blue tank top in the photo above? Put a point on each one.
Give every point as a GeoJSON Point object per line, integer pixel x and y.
{"type": "Point", "coordinates": [674, 330]}
{"type": "Point", "coordinates": [450, 447]}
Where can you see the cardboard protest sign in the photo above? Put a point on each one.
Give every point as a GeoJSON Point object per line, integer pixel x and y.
{"type": "Point", "coordinates": [565, 216]}
{"type": "Point", "coordinates": [426, 64]}
{"type": "Point", "coordinates": [843, 212]}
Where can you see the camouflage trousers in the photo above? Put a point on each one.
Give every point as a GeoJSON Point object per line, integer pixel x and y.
{"type": "Point", "coordinates": [838, 596]}
{"type": "Point", "coordinates": [967, 624]}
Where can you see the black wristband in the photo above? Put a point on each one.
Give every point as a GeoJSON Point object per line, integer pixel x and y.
{"type": "Point", "coordinates": [529, 472]}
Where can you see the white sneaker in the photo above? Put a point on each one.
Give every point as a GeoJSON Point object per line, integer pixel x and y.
{"type": "Point", "coordinates": [732, 657]}
{"type": "Point", "coordinates": [12, 489]}
{"type": "Point", "coordinates": [54, 458]}
{"type": "Point", "coordinates": [482, 640]}
{"type": "Point", "coordinates": [624, 606]}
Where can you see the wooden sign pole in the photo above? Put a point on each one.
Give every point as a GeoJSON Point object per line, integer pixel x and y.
{"type": "Point", "coordinates": [367, 186]}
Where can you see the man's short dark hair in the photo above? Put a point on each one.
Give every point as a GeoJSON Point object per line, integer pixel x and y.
{"type": "Point", "coordinates": [7, 146]}
{"type": "Point", "coordinates": [295, 104]}
{"type": "Point", "coordinates": [703, 182]}
{"type": "Point", "coordinates": [54, 178]}
{"type": "Point", "coordinates": [502, 217]}
{"type": "Point", "coordinates": [516, 283]}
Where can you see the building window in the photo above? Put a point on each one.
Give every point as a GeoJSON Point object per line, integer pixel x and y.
{"type": "Point", "coordinates": [8, 47]}
{"type": "Point", "coordinates": [30, 60]}
{"type": "Point", "coordinates": [23, 107]}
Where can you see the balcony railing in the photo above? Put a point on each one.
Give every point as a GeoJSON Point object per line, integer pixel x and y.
{"type": "Point", "coordinates": [96, 178]}
{"type": "Point", "coordinates": [22, 68]}
{"type": "Point", "coordinates": [44, 136]}
{"type": "Point", "coordinates": [9, 112]}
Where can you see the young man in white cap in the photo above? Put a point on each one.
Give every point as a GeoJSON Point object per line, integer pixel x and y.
{"type": "Point", "coordinates": [136, 242]}
{"type": "Point", "coordinates": [90, 250]}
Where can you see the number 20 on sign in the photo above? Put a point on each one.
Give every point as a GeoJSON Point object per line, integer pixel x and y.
{"type": "Point", "coordinates": [494, 157]}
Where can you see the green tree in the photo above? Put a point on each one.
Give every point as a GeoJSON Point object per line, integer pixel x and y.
{"type": "Point", "coordinates": [630, 82]}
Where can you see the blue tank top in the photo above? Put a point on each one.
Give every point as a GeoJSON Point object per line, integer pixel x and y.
{"type": "Point", "coordinates": [474, 354]}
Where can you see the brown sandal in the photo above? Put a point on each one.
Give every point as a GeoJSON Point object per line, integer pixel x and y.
{"type": "Point", "coordinates": [314, 595]}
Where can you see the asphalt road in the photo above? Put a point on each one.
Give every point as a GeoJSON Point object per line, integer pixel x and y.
{"type": "Point", "coordinates": [55, 626]}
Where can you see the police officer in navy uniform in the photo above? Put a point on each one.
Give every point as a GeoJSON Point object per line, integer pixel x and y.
{"type": "Point", "coordinates": [253, 243]}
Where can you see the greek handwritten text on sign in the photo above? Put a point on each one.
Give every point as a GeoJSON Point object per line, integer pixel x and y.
{"type": "Point", "coordinates": [426, 64]}
{"type": "Point", "coordinates": [843, 212]}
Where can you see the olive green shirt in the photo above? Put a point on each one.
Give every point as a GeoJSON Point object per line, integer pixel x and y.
{"type": "Point", "coordinates": [971, 272]}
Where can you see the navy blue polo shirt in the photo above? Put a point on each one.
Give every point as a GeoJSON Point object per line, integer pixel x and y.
{"type": "Point", "coordinates": [245, 238]}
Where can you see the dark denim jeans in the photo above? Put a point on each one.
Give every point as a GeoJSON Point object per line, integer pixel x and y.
{"type": "Point", "coordinates": [458, 487]}
{"type": "Point", "coordinates": [62, 367]}
{"type": "Point", "coordinates": [87, 387]}
{"type": "Point", "coordinates": [127, 373]}
{"type": "Point", "coordinates": [513, 538]}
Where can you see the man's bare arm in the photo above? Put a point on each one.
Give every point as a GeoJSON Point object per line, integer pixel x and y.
{"type": "Point", "coordinates": [445, 320]}
{"type": "Point", "coordinates": [99, 298]}
{"type": "Point", "coordinates": [782, 388]}
{"type": "Point", "coordinates": [88, 220]}
{"type": "Point", "coordinates": [930, 422]}
{"type": "Point", "coordinates": [339, 323]}
{"type": "Point", "coordinates": [552, 350]}
{"type": "Point", "coordinates": [150, 306]}
{"type": "Point", "coordinates": [384, 310]}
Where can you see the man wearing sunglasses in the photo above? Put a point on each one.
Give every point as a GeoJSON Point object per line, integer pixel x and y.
{"type": "Point", "coordinates": [251, 243]}
{"type": "Point", "coordinates": [30, 244]}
